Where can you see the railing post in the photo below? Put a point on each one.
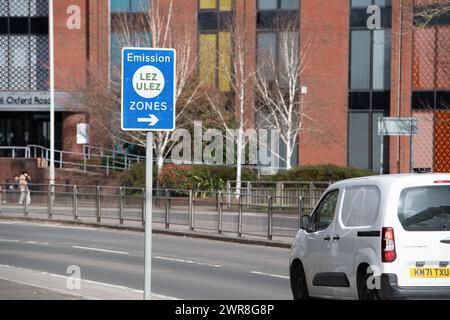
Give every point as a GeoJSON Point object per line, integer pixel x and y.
{"type": "Point", "coordinates": [191, 210]}
{"type": "Point", "coordinates": [107, 165]}
{"type": "Point", "coordinates": [269, 217]}
{"type": "Point", "coordinates": [167, 203]}
{"type": "Point", "coordinates": [99, 208]}
{"type": "Point", "coordinates": [13, 153]}
{"type": "Point", "coordinates": [219, 212]}
{"type": "Point", "coordinates": [61, 159]}
{"type": "Point", "coordinates": [143, 208]}
{"type": "Point", "coordinates": [50, 196]}
{"type": "Point", "coordinates": [84, 163]}
{"type": "Point", "coordinates": [121, 205]}
{"type": "Point", "coordinates": [300, 211]}
{"type": "Point", "coordinates": [311, 188]}
{"type": "Point", "coordinates": [240, 216]}
{"type": "Point", "coordinates": [229, 192]}
{"type": "Point", "coordinates": [1, 201]}
{"type": "Point", "coordinates": [75, 203]}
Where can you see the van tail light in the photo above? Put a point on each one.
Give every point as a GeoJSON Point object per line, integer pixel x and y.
{"type": "Point", "coordinates": [388, 245]}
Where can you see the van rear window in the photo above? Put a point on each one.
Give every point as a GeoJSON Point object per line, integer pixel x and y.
{"type": "Point", "coordinates": [425, 208]}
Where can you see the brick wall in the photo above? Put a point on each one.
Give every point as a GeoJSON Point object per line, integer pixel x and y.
{"type": "Point", "coordinates": [324, 28]}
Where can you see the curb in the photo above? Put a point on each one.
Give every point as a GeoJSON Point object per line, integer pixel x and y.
{"type": "Point", "coordinates": [195, 235]}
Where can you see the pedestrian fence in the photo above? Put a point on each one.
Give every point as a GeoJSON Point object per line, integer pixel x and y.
{"type": "Point", "coordinates": [195, 210]}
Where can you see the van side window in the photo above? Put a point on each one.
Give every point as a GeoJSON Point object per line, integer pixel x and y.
{"type": "Point", "coordinates": [361, 206]}
{"type": "Point", "coordinates": [324, 214]}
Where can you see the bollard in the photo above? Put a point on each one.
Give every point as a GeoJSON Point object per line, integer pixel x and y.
{"type": "Point", "coordinates": [269, 217]}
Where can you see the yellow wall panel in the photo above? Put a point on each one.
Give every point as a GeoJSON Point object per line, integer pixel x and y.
{"type": "Point", "coordinates": [225, 5]}
{"type": "Point", "coordinates": [208, 4]}
{"type": "Point", "coordinates": [208, 51]}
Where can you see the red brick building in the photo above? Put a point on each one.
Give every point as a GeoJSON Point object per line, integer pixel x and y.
{"type": "Point", "coordinates": [352, 74]}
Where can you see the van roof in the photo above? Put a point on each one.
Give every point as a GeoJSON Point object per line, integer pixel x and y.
{"type": "Point", "coordinates": [389, 178]}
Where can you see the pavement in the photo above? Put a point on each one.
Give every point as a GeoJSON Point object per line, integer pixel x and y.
{"type": "Point", "coordinates": [110, 264]}
{"type": "Point", "coordinates": [10, 290]}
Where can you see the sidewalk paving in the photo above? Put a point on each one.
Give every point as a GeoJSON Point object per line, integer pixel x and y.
{"type": "Point", "coordinates": [10, 290]}
{"type": "Point", "coordinates": [25, 284]}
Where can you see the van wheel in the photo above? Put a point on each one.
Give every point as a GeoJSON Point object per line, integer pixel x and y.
{"type": "Point", "coordinates": [364, 293]}
{"type": "Point", "coordinates": [298, 283]}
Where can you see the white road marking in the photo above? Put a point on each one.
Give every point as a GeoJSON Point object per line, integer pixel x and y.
{"type": "Point", "coordinates": [24, 242]}
{"type": "Point", "coordinates": [269, 275]}
{"type": "Point", "coordinates": [188, 261]}
{"type": "Point", "coordinates": [8, 240]}
{"type": "Point", "coordinates": [101, 250]}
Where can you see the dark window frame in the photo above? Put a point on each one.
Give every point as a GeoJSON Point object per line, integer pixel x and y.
{"type": "Point", "coordinates": [36, 25]}
{"type": "Point", "coordinates": [220, 28]}
{"type": "Point", "coordinates": [277, 29]}
{"type": "Point", "coordinates": [278, 8]}
{"type": "Point", "coordinates": [370, 110]}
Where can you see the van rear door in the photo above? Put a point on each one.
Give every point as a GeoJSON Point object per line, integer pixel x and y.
{"type": "Point", "coordinates": [423, 242]}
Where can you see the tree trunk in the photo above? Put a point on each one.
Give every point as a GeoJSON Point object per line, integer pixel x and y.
{"type": "Point", "coordinates": [288, 154]}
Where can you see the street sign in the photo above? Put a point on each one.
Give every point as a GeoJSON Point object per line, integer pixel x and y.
{"type": "Point", "coordinates": [392, 126]}
{"type": "Point", "coordinates": [388, 126]}
{"type": "Point", "coordinates": [148, 89]}
{"type": "Point", "coordinates": [148, 104]}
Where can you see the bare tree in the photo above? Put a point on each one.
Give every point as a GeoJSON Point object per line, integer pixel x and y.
{"type": "Point", "coordinates": [241, 80]}
{"type": "Point", "coordinates": [154, 28]}
{"type": "Point", "coordinates": [281, 102]}
{"type": "Point", "coordinates": [425, 11]}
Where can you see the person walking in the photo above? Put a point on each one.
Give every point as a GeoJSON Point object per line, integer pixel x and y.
{"type": "Point", "coordinates": [28, 180]}
{"type": "Point", "coordinates": [22, 188]}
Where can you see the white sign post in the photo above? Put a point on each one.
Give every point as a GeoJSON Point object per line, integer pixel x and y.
{"type": "Point", "coordinates": [148, 104]}
{"type": "Point", "coordinates": [388, 126]}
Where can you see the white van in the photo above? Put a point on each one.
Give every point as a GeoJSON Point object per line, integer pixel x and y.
{"type": "Point", "coordinates": [380, 237]}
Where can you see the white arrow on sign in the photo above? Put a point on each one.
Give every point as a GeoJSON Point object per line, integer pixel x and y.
{"type": "Point", "coordinates": [152, 120]}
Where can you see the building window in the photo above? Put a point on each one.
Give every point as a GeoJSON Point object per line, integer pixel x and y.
{"type": "Point", "coordinates": [24, 45]}
{"type": "Point", "coordinates": [277, 48]}
{"type": "Point", "coordinates": [369, 84]}
{"type": "Point", "coordinates": [130, 5]}
{"type": "Point", "coordinates": [129, 27]}
{"type": "Point", "coordinates": [214, 22]}
{"type": "Point", "coordinates": [272, 13]}
{"type": "Point", "coordinates": [277, 36]}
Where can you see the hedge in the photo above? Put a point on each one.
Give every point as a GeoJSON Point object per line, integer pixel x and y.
{"type": "Point", "coordinates": [207, 177]}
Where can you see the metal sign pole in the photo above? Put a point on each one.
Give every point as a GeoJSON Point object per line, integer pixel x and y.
{"type": "Point", "coordinates": [148, 216]}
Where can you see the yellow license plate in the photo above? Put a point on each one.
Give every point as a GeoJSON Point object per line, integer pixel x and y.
{"type": "Point", "coordinates": [429, 272]}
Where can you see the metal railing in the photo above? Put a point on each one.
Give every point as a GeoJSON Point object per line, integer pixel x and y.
{"type": "Point", "coordinates": [192, 210]}
{"type": "Point", "coordinates": [283, 192]}
{"type": "Point", "coordinates": [105, 160]}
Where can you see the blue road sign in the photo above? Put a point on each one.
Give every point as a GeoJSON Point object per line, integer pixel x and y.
{"type": "Point", "coordinates": [148, 89]}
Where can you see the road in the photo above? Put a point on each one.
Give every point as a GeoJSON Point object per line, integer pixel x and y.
{"type": "Point", "coordinates": [183, 268]}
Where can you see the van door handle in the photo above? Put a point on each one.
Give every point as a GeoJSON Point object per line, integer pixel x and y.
{"type": "Point", "coordinates": [327, 238]}
{"type": "Point", "coordinates": [446, 241]}
{"type": "Point", "coordinates": [336, 238]}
